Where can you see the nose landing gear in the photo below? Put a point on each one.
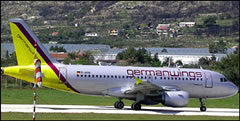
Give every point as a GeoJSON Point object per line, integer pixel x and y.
{"type": "Point", "coordinates": [202, 108]}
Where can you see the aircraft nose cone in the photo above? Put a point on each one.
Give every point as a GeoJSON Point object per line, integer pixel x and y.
{"type": "Point", "coordinates": [233, 89]}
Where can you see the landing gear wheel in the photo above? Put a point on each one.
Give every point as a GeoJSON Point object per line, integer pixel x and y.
{"type": "Point", "coordinates": [203, 108]}
{"type": "Point", "coordinates": [136, 106]}
{"type": "Point", "coordinates": [119, 104]}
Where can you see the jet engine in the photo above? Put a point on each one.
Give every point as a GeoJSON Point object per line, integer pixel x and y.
{"type": "Point", "coordinates": [168, 98]}
{"type": "Point", "coordinates": [175, 98]}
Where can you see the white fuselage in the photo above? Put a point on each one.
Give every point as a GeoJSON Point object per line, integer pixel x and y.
{"type": "Point", "coordinates": [198, 83]}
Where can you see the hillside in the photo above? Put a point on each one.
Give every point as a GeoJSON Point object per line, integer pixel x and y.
{"type": "Point", "coordinates": [128, 16]}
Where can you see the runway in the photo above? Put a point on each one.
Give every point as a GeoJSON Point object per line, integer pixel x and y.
{"type": "Point", "coordinates": [28, 108]}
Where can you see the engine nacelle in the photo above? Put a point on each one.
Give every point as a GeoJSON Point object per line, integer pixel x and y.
{"type": "Point", "coordinates": [175, 98]}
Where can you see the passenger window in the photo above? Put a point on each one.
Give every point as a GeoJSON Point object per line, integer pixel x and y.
{"type": "Point", "coordinates": [155, 77]}
{"type": "Point", "coordinates": [141, 77]}
{"type": "Point", "coordinates": [96, 76]}
{"type": "Point", "coordinates": [182, 78]}
{"type": "Point", "coordinates": [104, 76]}
{"type": "Point", "coordinates": [81, 75]}
{"type": "Point", "coordinates": [164, 77]}
{"type": "Point", "coordinates": [145, 77]}
{"type": "Point", "coordinates": [123, 77]}
{"type": "Point", "coordinates": [100, 76]}
{"type": "Point", "coordinates": [115, 76]}
{"type": "Point", "coordinates": [186, 78]}
{"type": "Point", "coordinates": [119, 77]}
{"type": "Point", "coordinates": [176, 78]}
{"type": "Point", "coordinates": [92, 75]}
{"type": "Point", "coordinates": [179, 78]}
{"type": "Point", "coordinates": [85, 75]}
{"type": "Point", "coordinates": [172, 78]}
{"type": "Point", "coordinates": [77, 75]}
{"type": "Point", "coordinates": [160, 77]}
{"type": "Point", "coordinates": [168, 78]}
{"type": "Point", "coordinates": [112, 76]}
{"type": "Point", "coordinates": [89, 76]}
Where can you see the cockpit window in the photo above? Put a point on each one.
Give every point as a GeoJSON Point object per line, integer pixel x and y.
{"type": "Point", "coordinates": [223, 80]}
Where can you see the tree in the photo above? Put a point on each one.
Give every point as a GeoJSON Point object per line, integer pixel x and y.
{"type": "Point", "coordinates": [221, 45]}
{"type": "Point", "coordinates": [229, 67]}
{"type": "Point", "coordinates": [178, 63]}
{"type": "Point", "coordinates": [67, 60]}
{"type": "Point", "coordinates": [210, 21]}
{"type": "Point", "coordinates": [164, 50]}
{"type": "Point", "coordinates": [203, 61]}
{"type": "Point", "coordinates": [155, 61]}
{"type": "Point", "coordinates": [212, 48]}
{"type": "Point", "coordinates": [166, 61]}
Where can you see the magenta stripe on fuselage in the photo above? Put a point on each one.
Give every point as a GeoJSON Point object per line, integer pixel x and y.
{"type": "Point", "coordinates": [39, 50]}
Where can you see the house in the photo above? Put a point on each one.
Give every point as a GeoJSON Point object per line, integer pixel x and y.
{"type": "Point", "coordinates": [76, 25]}
{"type": "Point", "coordinates": [114, 32]}
{"type": "Point", "coordinates": [91, 34]}
{"type": "Point", "coordinates": [164, 25]}
{"type": "Point", "coordinates": [162, 30]}
{"type": "Point", "coordinates": [54, 33]}
{"type": "Point", "coordinates": [186, 24]}
{"type": "Point", "coordinates": [59, 56]}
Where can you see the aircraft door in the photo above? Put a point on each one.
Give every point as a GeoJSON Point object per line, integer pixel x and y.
{"type": "Point", "coordinates": [208, 80]}
{"type": "Point", "coordinates": [63, 72]}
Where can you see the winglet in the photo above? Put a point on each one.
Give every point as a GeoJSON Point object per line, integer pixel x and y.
{"type": "Point", "coordinates": [138, 81]}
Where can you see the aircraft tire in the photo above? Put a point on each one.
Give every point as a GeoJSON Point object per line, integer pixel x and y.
{"type": "Point", "coordinates": [203, 108]}
{"type": "Point", "coordinates": [136, 106]}
{"type": "Point", "coordinates": [118, 104]}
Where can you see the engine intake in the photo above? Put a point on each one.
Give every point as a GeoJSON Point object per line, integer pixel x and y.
{"type": "Point", "coordinates": [175, 98]}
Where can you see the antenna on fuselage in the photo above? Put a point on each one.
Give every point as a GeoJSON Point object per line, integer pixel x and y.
{"type": "Point", "coordinates": [201, 68]}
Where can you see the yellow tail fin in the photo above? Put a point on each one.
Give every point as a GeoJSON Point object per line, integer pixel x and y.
{"type": "Point", "coordinates": [24, 40]}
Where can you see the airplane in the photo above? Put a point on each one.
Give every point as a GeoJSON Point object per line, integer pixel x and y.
{"type": "Point", "coordinates": [144, 85]}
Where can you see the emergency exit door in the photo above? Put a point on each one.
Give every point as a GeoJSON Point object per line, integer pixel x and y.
{"type": "Point", "coordinates": [208, 80]}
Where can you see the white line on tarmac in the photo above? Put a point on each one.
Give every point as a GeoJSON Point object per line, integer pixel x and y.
{"type": "Point", "coordinates": [28, 108]}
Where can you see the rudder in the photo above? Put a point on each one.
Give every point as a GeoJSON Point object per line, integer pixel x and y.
{"type": "Point", "coordinates": [24, 40]}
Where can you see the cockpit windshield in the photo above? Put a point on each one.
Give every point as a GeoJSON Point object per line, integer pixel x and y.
{"type": "Point", "coordinates": [223, 80]}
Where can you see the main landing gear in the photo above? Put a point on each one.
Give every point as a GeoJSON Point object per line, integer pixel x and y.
{"type": "Point", "coordinates": [136, 106]}
{"type": "Point", "coordinates": [119, 104]}
{"type": "Point", "coordinates": [202, 108]}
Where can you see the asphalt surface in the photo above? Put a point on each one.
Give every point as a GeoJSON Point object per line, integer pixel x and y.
{"type": "Point", "coordinates": [28, 108]}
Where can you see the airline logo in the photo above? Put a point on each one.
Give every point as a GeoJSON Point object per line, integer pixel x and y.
{"type": "Point", "coordinates": [133, 72]}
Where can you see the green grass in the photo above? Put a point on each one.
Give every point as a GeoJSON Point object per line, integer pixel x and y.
{"type": "Point", "coordinates": [91, 116]}
{"type": "Point", "coordinates": [50, 96]}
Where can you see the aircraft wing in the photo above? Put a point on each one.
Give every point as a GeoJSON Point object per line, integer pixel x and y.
{"type": "Point", "coordinates": [148, 87]}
